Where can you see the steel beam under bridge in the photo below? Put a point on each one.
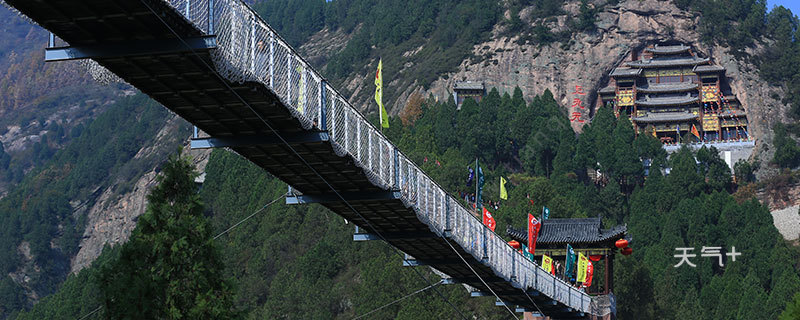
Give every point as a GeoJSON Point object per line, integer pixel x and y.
{"type": "Point", "coordinates": [130, 48]}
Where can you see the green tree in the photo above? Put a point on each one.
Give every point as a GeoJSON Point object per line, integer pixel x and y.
{"type": "Point", "coordinates": [627, 167]}
{"type": "Point", "coordinates": [170, 267]}
{"type": "Point", "coordinates": [743, 171]}
{"type": "Point", "coordinates": [787, 153]}
{"type": "Point", "coordinates": [792, 311]}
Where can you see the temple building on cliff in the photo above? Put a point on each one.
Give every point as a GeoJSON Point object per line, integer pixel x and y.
{"type": "Point", "coordinates": [674, 94]}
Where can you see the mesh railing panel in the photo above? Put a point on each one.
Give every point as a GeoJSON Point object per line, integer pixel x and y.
{"type": "Point", "coordinates": [249, 50]}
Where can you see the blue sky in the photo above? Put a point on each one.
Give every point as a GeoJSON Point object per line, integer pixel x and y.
{"type": "Point", "coordinates": [793, 5]}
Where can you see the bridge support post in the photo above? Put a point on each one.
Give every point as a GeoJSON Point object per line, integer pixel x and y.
{"type": "Point", "coordinates": [396, 168]}
{"type": "Point", "coordinates": [252, 45]}
{"type": "Point", "coordinates": [271, 61]}
{"type": "Point", "coordinates": [323, 105]}
{"type": "Point", "coordinates": [210, 16]}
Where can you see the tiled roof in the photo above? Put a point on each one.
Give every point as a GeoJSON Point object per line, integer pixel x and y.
{"type": "Point", "coordinates": [668, 49]}
{"type": "Point", "coordinates": [665, 116]}
{"type": "Point", "coordinates": [563, 231]}
{"type": "Point", "coordinates": [469, 85]}
{"type": "Point", "coordinates": [707, 68]}
{"type": "Point", "coordinates": [667, 101]}
{"type": "Point", "coordinates": [625, 72]}
{"type": "Point", "coordinates": [668, 87]}
{"type": "Point", "coordinates": [655, 63]}
{"type": "Point", "coordinates": [608, 90]}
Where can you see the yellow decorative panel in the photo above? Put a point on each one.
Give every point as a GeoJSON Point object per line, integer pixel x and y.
{"type": "Point", "coordinates": [710, 122]}
{"type": "Point", "coordinates": [710, 93]}
{"type": "Point", "coordinates": [625, 97]}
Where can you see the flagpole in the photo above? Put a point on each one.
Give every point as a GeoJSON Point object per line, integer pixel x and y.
{"type": "Point", "coordinates": [380, 113]}
{"type": "Point", "coordinates": [477, 178]}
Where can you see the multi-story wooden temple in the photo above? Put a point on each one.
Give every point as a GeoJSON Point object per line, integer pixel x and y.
{"type": "Point", "coordinates": [586, 236]}
{"type": "Point", "coordinates": [674, 94]}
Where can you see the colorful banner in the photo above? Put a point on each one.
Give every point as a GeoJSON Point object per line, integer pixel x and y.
{"type": "Point", "coordinates": [694, 131]}
{"type": "Point", "coordinates": [625, 97]}
{"type": "Point", "coordinates": [471, 176]}
{"type": "Point", "coordinates": [589, 274]}
{"type": "Point", "coordinates": [709, 93]}
{"type": "Point", "coordinates": [533, 233]}
{"type": "Point", "coordinates": [569, 265]}
{"type": "Point", "coordinates": [545, 213]}
{"type": "Point", "coordinates": [527, 254]}
{"type": "Point", "coordinates": [710, 122]}
{"type": "Point", "coordinates": [503, 191]}
{"type": "Point", "coordinates": [481, 182]}
{"type": "Point", "coordinates": [379, 95]}
{"type": "Point", "coordinates": [583, 264]}
{"type": "Point", "coordinates": [488, 220]}
{"type": "Point", "coordinates": [547, 264]}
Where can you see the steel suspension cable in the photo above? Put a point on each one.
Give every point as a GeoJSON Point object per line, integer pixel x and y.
{"type": "Point", "coordinates": [283, 140]}
{"type": "Point", "coordinates": [398, 300]}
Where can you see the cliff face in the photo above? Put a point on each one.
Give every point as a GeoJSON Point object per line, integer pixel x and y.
{"type": "Point", "coordinates": [586, 60]}
{"type": "Point", "coordinates": [113, 216]}
{"type": "Point", "coordinates": [589, 57]}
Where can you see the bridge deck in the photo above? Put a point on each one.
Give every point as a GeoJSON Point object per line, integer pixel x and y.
{"type": "Point", "coordinates": [275, 86]}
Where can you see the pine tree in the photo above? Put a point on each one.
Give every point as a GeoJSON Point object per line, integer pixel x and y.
{"type": "Point", "coordinates": [170, 268]}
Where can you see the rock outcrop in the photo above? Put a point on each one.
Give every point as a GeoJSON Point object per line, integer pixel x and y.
{"type": "Point", "coordinates": [113, 216]}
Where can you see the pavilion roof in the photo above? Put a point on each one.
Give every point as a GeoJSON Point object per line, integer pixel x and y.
{"type": "Point", "coordinates": [626, 72]}
{"type": "Point", "coordinates": [667, 101]}
{"type": "Point", "coordinates": [656, 63]}
{"type": "Point", "coordinates": [468, 85]}
{"type": "Point", "coordinates": [665, 116]}
{"type": "Point", "coordinates": [668, 87]}
{"type": "Point", "coordinates": [668, 49]}
{"type": "Point", "coordinates": [572, 231]}
{"type": "Point", "coordinates": [708, 69]}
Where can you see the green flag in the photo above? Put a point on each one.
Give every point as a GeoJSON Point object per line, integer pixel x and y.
{"type": "Point", "coordinates": [570, 263]}
{"type": "Point", "coordinates": [481, 182]}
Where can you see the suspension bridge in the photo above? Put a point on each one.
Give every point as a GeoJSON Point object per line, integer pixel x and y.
{"type": "Point", "coordinates": [218, 65]}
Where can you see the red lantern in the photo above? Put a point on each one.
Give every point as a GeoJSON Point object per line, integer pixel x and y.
{"type": "Point", "coordinates": [627, 251]}
{"type": "Point", "coordinates": [514, 244]}
{"type": "Point", "coordinates": [595, 258]}
{"type": "Point", "coordinates": [621, 243]}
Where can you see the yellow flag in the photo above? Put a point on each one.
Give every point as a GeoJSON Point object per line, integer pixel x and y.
{"type": "Point", "coordinates": [547, 263]}
{"type": "Point", "coordinates": [583, 265]}
{"type": "Point", "coordinates": [379, 95]}
{"type": "Point", "coordinates": [301, 90]}
{"type": "Point", "coordinates": [503, 192]}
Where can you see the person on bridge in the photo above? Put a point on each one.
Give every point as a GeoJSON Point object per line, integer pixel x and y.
{"type": "Point", "coordinates": [261, 60]}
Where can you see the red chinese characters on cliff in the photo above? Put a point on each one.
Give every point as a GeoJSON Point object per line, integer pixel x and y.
{"type": "Point", "coordinates": [577, 103]}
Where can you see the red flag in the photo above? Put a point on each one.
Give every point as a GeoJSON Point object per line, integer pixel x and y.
{"type": "Point", "coordinates": [589, 273]}
{"type": "Point", "coordinates": [488, 220]}
{"type": "Point", "coordinates": [533, 233]}
{"type": "Point", "coordinates": [694, 131]}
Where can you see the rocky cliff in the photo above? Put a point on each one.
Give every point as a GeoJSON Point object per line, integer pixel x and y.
{"type": "Point", "coordinates": [587, 58]}
{"type": "Point", "coordinates": [112, 216]}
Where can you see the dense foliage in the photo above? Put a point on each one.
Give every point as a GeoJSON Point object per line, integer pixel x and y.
{"type": "Point", "coordinates": [39, 212]}
{"type": "Point", "coordinates": [441, 33]}
{"type": "Point", "coordinates": [301, 262]}
{"type": "Point", "coordinates": [170, 268]}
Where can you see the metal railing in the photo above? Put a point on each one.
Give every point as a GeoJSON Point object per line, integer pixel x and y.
{"type": "Point", "coordinates": [250, 50]}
